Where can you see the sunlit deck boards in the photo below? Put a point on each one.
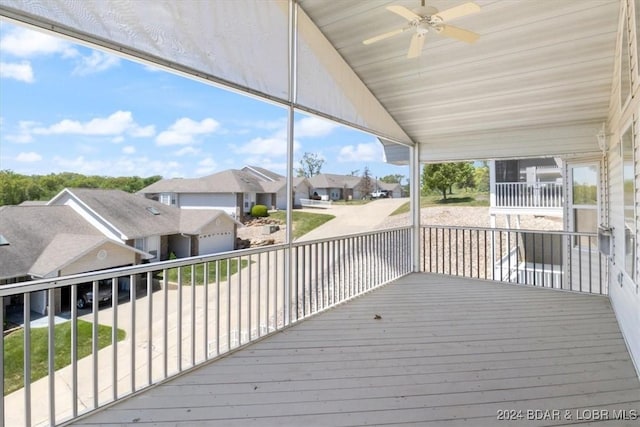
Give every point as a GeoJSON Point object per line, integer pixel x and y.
{"type": "Point", "coordinates": [446, 351]}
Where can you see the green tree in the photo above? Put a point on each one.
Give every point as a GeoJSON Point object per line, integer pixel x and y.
{"type": "Point", "coordinates": [392, 179]}
{"type": "Point", "coordinates": [366, 184]}
{"type": "Point", "coordinates": [481, 178]}
{"type": "Point", "coordinates": [310, 165]}
{"type": "Point", "coordinates": [442, 177]}
{"type": "Point", "coordinates": [16, 188]}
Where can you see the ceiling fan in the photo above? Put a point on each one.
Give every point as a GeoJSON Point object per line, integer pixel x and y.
{"type": "Point", "coordinates": [427, 19]}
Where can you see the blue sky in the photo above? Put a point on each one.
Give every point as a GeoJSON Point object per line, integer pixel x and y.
{"type": "Point", "coordinates": [65, 107]}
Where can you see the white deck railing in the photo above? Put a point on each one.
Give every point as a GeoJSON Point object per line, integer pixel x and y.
{"type": "Point", "coordinates": [551, 259]}
{"type": "Point", "coordinates": [526, 195]}
{"type": "Point", "coordinates": [179, 314]}
{"type": "Point", "coordinates": [312, 203]}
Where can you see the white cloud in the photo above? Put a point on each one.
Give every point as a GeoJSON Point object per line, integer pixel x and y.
{"type": "Point", "coordinates": [129, 149]}
{"type": "Point", "coordinates": [118, 123]}
{"type": "Point", "coordinates": [143, 131]}
{"type": "Point", "coordinates": [24, 133]}
{"type": "Point", "coordinates": [95, 63]}
{"type": "Point", "coordinates": [184, 131]}
{"type": "Point", "coordinates": [269, 147]}
{"type": "Point", "coordinates": [25, 43]}
{"type": "Point", "coordinates": [29, 157]}
{"type": "Point", "coordinates": [186, 151]}
{"type": "Point", "coordinates": [18, 71]}
{"type": "Point", "coordinates": [206, 166]}
{"type": "Point", "coordinates": [140, 166]}
{"type": "Point", "coordinates": [313, 127]}
{"type": "Point", "coordinates": [361, 153]}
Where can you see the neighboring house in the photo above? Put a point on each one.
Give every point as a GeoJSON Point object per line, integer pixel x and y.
{"type": "Point", "coordinates": [526, 187]}
{"type": "Point", "coordinates": [151, 226]}
{"type": "Point", "coordinates": [50, 241]}
{"type": "Point", "coordinates": [275, 183]}
{"type": "Point", "coordinates": [393, 189]}
{"type": "Point", "coordinates": [348, 187]}
{"type": "Point", "coordinates": [233, 191]}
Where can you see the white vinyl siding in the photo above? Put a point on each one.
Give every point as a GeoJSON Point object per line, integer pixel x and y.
{"type": "Point", "coordinates": [222, 201]}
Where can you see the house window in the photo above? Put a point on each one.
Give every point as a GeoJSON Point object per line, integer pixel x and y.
{"type": "Point", "coordinates": [168, 198]}
{"type": "Point", "coordinates": [629, 190]}
{"type": "Point", "coordinates": [141, 244]}
{"type": "Point", "coordinates": [585, 203]}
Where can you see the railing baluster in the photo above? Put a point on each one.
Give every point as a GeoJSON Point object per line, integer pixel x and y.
{"type": "Point", "coordinates": [133, 284]}
{"type": "Point", "coordinates": [165, 322]}
{"type": "Point", "coordinates": [250, 297]}
{"type": "Point", "coordinates": [94, 343]}
{"type": "Point", "coordinates": [590, 265]}
{"type": "Point", "coordinates": [205, 310]}
{"type": "Point", "coordinates": [239, 300]}
{"type": "Point", "coordinates": [268, 286]}
{"type": "Point", "coordinates": [27, 358]}
{"type": "Point", "coordinates": [228, 304]}
{"type": "Point", "coordinates": [114, 335]}
{"type": "Point", "coordinates": [150, 326]}
{"type": "Point", "coordinates": [217, 307]}
{"type": "Point", "coordinates": [193, 315]}
{"type": "Point", "coordinates": [51, 353]}
{"type": "Point", "coordinates": [179, 323]}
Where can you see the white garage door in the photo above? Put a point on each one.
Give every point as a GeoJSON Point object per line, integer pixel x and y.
{"type": "Point", "coordinates": [214, 243]}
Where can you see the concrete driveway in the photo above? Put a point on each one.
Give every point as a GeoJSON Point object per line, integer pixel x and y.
{"type": "Point", "coordinates": [350, 219]}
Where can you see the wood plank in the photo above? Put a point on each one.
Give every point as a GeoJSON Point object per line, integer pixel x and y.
{"type": "Point", "coordinates": [447, 351]}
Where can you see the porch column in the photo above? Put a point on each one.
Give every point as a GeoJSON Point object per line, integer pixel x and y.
{"type": "Point", "coordinates": [492, 183]}
{"type": "Point", "coordinates": [292, 70]}
{"type": "Point", "coordinates": [414, 204]}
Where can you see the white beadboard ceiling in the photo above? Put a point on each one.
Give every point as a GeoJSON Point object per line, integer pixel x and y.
{"type": "Point", "coordinates": [537, 82]}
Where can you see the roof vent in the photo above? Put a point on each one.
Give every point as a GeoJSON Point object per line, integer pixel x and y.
{"type": "Point", "coordinates": [153, 210]}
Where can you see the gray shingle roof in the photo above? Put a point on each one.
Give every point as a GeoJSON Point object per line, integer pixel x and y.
{"type": "Point", "coordinates": [62, 250]}
{"type": "Point", "coordinates": [227, 181]}
{"type": "Point", "coordinates": [265, 173]}
{"type": "Point", "coordinates": [131, 214]}
{"type": "Point", "coordinates": [328, 180]}
{"type": "Point", "coordinates": [192, 221]}
{"type": "Point", "coordinates": [30, 229]}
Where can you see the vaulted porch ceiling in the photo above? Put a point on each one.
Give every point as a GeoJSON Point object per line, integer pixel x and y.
{"type": "Point", "coordinates": [537, 82]}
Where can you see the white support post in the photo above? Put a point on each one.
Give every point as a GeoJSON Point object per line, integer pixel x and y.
{"type": "Point", "coordinates": [414, 191]}
{"type": "Point", "coordinates": [492, 183]}
{"type": "Point", "coordinates": [288, 264]}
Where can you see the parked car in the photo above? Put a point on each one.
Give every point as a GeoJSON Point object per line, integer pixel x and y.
{"type": "Point", "coordinates": [105, 290]}
{"type": "Point", "coordinates": [85, 294]}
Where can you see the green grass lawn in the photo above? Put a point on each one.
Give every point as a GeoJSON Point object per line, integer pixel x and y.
{"type": "Point", "coordinates": [464, 199]}
{"type": "Point", "coordinates": [199, 270]}
{"type": "Point", "coordinates": [303, 222]}
{"type": "Point", "coordinates": [14, 350]}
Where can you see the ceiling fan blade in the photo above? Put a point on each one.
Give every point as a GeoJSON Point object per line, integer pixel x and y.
{"type": "Point", "coordinates": [458, 11]}
{"type": "Point", "coordinates": [415, 48]}
{"type": "Point", "coordinates": [385, 35]}
{"type": "Point", "coordinates": [404, 12]}
{"type": "Point", "coordinates": [458, 33]}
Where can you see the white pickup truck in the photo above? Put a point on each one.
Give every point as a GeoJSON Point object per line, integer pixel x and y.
{"type": "Point", "coordinates": [381, 194]}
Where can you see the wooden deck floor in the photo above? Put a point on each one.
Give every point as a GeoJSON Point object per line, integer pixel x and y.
{"type": "Point", "coordinates": [446, 352]}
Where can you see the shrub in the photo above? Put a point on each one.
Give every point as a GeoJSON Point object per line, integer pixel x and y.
{"type": "Point", "coordinates": [259, 211]}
